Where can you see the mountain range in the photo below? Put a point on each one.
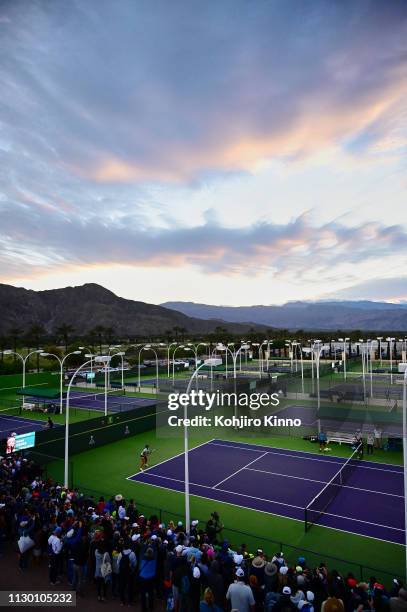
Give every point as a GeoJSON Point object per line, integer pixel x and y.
{"type": "Point", "coordinates": [323, 315]}
{"type": "Point", "coordinates": [91, 305]}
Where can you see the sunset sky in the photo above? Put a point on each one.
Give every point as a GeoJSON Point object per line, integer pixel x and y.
{"type": "Point", "coordinates": [232, 152]}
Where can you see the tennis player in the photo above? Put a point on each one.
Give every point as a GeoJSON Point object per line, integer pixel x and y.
{"type": "Point", "coordinates": [145, 453]}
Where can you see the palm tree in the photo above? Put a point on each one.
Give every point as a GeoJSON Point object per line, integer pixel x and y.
{"type": "Point", "coordinates": [15, 333]}
{"type": "Point", "coordinates": [35, 335]}
{"type": "Point", "coordinates": [64, 331]}
{"type": "Point", "coordinates": [99, 332]}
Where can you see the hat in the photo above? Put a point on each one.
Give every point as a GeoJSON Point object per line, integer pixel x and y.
{"type": "Point", "coordinates": [283, 570]}
{"type": "Point", "coordinates": [270, 569]}
{"type": "Point", "coordinates": [286, 590]}
{"type": "Point", "coordinates": [179, 548]}
{"type": "Point", "coordinates": [194, 523]}
{"type": "Point", "coordinates": [310, 596]}
{"type": "Point", "coordinates": [119, 497]}
{"type": "Point", "coordinates": [301, 560]}
{"type": "Point", "coordinates": [239, 572]}
{"type": "Point", "coordinates": [179, 524]}
{"type": "Point", "coordinates": [259, 551]}
{"type": "Point", "coordinates": [298, 569]}
{"type": "Point", "coordinates": [352, 582]}
{"type": "Point", "coordinates": [154, 537]}
{"type": "Point", "coordinates": [258, 562]}
{"type": "Point", "coordinates": [135, 537]}
{"type": "Point", "coordinates": [196, 573]}
{"type": "Point", "coordinates": [134, 525]}
{"type": "Point", "coordinates": [70, 533]}
{"type": "Point", "coordinates": [237, 559]}
{"type": "Point", "coordinates": [169, 533]}
{"type": "Point", "coordinates": [57, 530]}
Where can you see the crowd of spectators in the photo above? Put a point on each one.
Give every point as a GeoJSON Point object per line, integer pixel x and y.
{"type": "Point", "coordinates": [106, 548]}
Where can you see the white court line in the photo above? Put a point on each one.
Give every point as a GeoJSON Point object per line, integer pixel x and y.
{"type": "Point", "coordinates": [284, 516]}
{"type": "Point", "coordinates": [272, 501]}
{"type": "Point", "coordinates": [324, 482]}
{"type": "Point", "coordinates": [316, 458]}
{"type": "Point", "coordinates": [237, 471]}
{"type": "Point", "coordinates": [169, 459]}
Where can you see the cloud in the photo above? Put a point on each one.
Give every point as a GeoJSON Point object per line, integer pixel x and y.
{"type": "Point", "coordinates": [126, 93]}
{"type": "Point", "coordinates": [387, 289]}
{"type": "Point", "coordinates": [299, 250]}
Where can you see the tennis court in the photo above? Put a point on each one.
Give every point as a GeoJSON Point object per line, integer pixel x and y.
{"type": "Point", "coordinates": [368, 502]}
{"type": "Point", "coordinates": [96, 401]}
{"type": "Point", "coordinates": [20, 425]}
{"type": "Point", "coordinates": [345, 419]}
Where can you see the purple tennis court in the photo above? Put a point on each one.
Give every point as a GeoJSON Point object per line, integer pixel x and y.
{"type": "Point", "coordinates": [283, 482]}
{"type": "Point", "coordinates": [96, 401]}
{"type": "Point", "coordinates": [19, 425]}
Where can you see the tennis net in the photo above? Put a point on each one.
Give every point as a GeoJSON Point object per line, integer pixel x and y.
{"type": "Point", "coordinates": [319, 504]}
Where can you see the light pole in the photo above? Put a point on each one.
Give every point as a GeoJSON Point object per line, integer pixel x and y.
{"type": "Point", "coordinates": [61, 373]}
{"type": "Point", "coordinates": [24, 360]}
{"type": "Point", "coordinates": [405, 454]}
{"type": "Point", "coordinates": [148, 347]}
{"type": "Point", "coordinates": [211, 362]}
{"type": "Point", "coordinates": [102, 359]}
{"type": "Point", "coordinates": [168, 357]}
{"type": "Point", "coordinates": [90, 352]}
{"type": "Point", "coordinates": [120, 354]}
{"type": "Point", "coordinates": [181, 346]}
{"type": "Point", "coordinates": [195, 350]}
{"type": "Point", "coordinates": [318, 348]}
{"type": "Point", "coordinates": [380, 338]}
{"type": "Point", "coordinates": [363, 349]}
{"type": "Point", "coordinates": [298, 346]}
{"type": "Point", "coordinates": [391, 340]}
{"type": "Point", "coordinates": [344, 340]}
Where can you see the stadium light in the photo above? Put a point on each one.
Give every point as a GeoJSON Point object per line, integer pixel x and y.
{"type": "Point", "coordinates": [211, 361]}
{"type": "Point", "coordinates": [24, 361]}
{"type": "Point", "coordinates": [105, 360]}
{"type": "Point", "coordinates": [405, 453]}
{"type": "Point", "coordinates": [147, 347]}
{"type": "Point", "coordinates": [66, 453]}
{"type": "Point", "coordinates": [121, 355]}
{"type": "Point", "coordinates": [90, 354]}
{"type": "Point", "coordinates": [390, 341]}
{"type": "Point", "coordinates": [61, 373]}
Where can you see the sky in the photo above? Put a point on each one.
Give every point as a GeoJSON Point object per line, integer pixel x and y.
{"type": "Point", "coordinates": [234, 152]}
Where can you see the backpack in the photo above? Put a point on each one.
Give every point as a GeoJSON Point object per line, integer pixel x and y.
{"type": "Point", "coordinates": [124, 566]}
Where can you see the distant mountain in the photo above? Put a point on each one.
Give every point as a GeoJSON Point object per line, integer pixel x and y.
{"type": "Point", "coordinates": [91, 305]}
{"type": "Point", "coordinates": [363, 315]}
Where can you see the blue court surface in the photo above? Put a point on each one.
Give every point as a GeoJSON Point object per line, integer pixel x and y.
{"type": "Point", "coordinates": [19, 425]}
{"type": "Point", "coordinates": [96, 401]}
{"type": "Point", "coordinates": [283, 482]}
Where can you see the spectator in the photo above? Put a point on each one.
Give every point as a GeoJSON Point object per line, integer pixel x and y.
{"type": "Point", "coordinates": [240, 595]}
{"type": "Point", "coordinates": [101, 557]}
{"type": "Point", "coordinates": [148, 569]}
{"type": "Point", "coordinates": [284, 604]}
{"type": "Point", "coordinates": [332, 604]}
{"type": "Point", "coordinates": [370, 443]}
{"type": "Point", "coordinates": [54, 555]}
{"type": "Point", "coordinates": [399, 603]}
{"type": "Point", "coordinates": [208, 603]}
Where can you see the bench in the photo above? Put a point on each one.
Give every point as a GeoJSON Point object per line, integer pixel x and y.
{"type": "Point", "coordinates": [28, 406]}
{"type": "Point", "coordinates": [340, 437]}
